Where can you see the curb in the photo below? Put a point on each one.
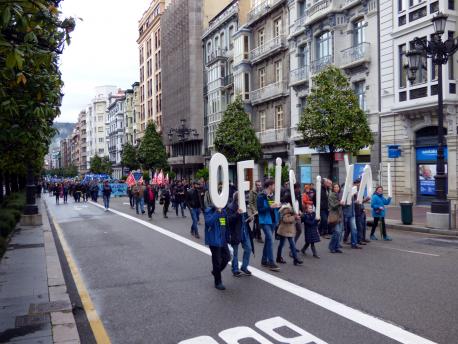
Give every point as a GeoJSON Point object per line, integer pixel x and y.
{"type": "Point", "coordinates": [63, 323]}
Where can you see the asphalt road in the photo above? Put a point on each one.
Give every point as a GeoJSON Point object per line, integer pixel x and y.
{"type": "Point", "coordinates": [153, 285]}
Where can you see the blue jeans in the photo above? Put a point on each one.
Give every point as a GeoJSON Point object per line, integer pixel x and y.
{"type": "Point", "coordinates": [292, 246]}
{"type": "Point", "coordinates": [351, 225]}
{"type": "Point", "coordinates": [179, 204]}
{"type": "Point", "coordinates": [246, 244]}
{"type": "Point", "coordinates": [140, 203]}
{"type": "Point", "coordinates": [106, 201]}
{"type": "Point", "coordinates": [335, 240]}
{"type": "Point", "coordinates": [267, 252]}
{"type": "Point", "coordinates": [194, 216]}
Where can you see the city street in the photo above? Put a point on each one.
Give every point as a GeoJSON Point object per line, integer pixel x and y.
{"type": "Point", "coordinates": [150, 282]}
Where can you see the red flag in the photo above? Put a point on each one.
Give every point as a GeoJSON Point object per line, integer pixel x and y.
{"type": "Point", "coordinates": [155, 178]}
{"type": "Point", "coordinates": [167, 180]}
{"type": "Point", "coordinates": [160, 178]}
{"type": "Point", "coordinates": [130, 180]}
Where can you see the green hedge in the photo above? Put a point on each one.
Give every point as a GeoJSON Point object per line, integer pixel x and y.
{"type": "Point", "coordinates": [10, 214]}
{"type": "Point", "coordinates": [3, 245]}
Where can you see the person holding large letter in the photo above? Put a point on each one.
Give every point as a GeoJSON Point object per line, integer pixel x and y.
{"type": "Point", "coordinates": [324, 210]}
{"type": "Point", "coordinates": [335, 218]}
{"type": "Point", "coordinates": [268, 220]}
{"type": "Point", "coordinates": [216, 239]}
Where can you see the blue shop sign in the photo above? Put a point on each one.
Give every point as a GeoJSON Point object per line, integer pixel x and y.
{"type": "Point", "coordinates": [429, 153]}
{"type": "Point", "coordinates": [306, 174]}
{"type": "Point", "coordinates": [394, 151]}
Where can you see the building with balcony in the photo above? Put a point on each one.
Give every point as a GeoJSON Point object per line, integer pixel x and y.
{"type": "Point", "coordinates": [116, 132]}
{"type": "Point", "coordinates": [149, 46]}
{"type": "Point", "coordinates": [81, 145]}
{"type": "Point", "coordinates": [409, 110]}
{"type": "Point", "coordinates": [332, 32]}
{"type": "Point", "coordinates": [96, 119]}
{"type": "Point", "coordinates": [218, 45]}
{"type": "Point", "coordinates": [261, 76]}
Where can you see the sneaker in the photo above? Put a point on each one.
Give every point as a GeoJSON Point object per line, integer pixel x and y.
{"type": "Point", "coordinates": [356, 247]}
{"type": "Point", "coordinates": [333, 251]}
{"type": "Point", "coordinates": [197, 236]}
{"type": "Point", "coordinates": [220, 286]}
{"type": "Point", "coordinates": [373, 237]}
{"type": "Point", "coordinates": [237, 274]}
{"type": "Point", "coordinates": [273, 267]}
{"type": "Point", "coordinates": [387, 238]}
{"type": "Point", "coordinates": [246, 272]}
{"type": "Point", "coordinates": [316, 256]}
{"type": "Point", "coordinates": [339, 251]}
{"type": "Point", "coordinates": [298, 262]}
{"type": "Point", "coordinates": [265, 264]}
{"type": "Point", "coordinates": [281, 260]}
{"type": "Point", "coordinates": [366, 241]}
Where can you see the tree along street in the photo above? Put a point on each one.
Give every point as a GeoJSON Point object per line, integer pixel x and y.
{"type": "Point", "coordinates": [151, 282]}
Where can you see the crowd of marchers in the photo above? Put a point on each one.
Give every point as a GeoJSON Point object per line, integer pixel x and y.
{"type": "Point", "coordinates": [265, 221]}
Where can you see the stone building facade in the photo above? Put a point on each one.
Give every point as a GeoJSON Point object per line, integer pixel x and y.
{"type": "Point", "coordinates": [409, 110]}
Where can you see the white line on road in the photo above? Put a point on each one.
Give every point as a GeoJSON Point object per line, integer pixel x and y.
{"type": "Point", "coordinates": [369, 321]}
{"type": "Point", "coordinates": [401, 250]}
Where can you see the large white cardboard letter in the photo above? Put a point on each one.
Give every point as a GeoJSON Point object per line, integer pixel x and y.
{"type": "Point", "coordinates": [390, 191]}
{"type": "Point", "coordinates": [218, 160]}
{"type": "Point", "coordinates": [292, 181]}
{"type": "Point", "coordinates": [348, 188]}
{"type": "Point", "coordinates": [242, 184]}
{"type": "Point", "coordinates": [277, 180]}
{"type": "Point", "coordinates": [366, 181]}
{"type": "Point", "coordinates": [318, 198]}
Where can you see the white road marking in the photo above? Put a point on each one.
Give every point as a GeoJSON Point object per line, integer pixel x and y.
{"type": "Point", "coordinates": [369, 321]}
{"type": "Point", "coordinates": [416, 252]}
{"type": "Point", "coordinates": [125, 203]}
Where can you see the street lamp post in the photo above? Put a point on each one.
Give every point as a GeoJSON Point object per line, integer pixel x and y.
{"type": "Point", "coordinates": [182, 133]}
{"type": "Point", "coordinates": [439, 51]}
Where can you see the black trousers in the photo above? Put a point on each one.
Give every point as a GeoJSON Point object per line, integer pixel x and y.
{"type": "Point", "coordinates": [132, 201]}
{"type": "Point", "coordinates": [256, 227]}
{"type": "Point", "coordinates": [220, 257]}
{"type": "Point", "coordinates": [151, 207]}
{"type": "Point", "coordinates": [165, 208]}
{"type": "Point", "coordinates": [374, 225]}
{"type": "Point", "coordinates": [298, 231]}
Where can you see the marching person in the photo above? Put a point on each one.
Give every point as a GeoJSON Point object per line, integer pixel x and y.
{"type": "Point", "coordinates": [350, 223]}
{"type": "Point", "coordinates": [311, 233]}
{"type": "Point", "coordinates": [268, 220]}
{"type": "Point", "coordinates": [287, 229]}
{"type": "Point", "coordinates": [239, 233]}
{"type": "Point", "coordinates": [138, 191]}
{"type": "Point", "coordinates": [378, 204]}
{"type": "Point", "coordinates": [253, 210]}
{"type": "Point", "coordinates": [106, 192]}
{"type": "Point", "coordinates": [194, 203]}
{"type": "Point", "coordinates": [335, 218]}
{"type": "Point", "coordinates": [65, 191]}
{"type": "Point", "coordinates": [132, 197]}
{"type": "Point", "coordinates": [165, 200]}
{"type": "Point", "coordinates": [215, 238]}
{"type": "Point", "coordinates": [149, 200]}
{"type": "Point", "coordinates": [324, 210]}
{"type": "Point", "coordinates": [360, 217]}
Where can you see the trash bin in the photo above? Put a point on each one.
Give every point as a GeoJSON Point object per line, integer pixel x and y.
{"type": "Point", "coordinates": [406, 213]}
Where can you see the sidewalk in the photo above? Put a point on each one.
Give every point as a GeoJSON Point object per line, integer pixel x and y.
{"type": "Point", "coordinates": [393, 221]}
{"type": "Point", "coordinates": [34, 303]}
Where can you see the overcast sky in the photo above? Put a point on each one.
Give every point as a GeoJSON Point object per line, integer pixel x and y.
{"type": "Point", "coordinates": [103, 50]}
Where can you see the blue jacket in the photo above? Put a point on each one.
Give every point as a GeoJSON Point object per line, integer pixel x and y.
{"type": "Point", "coordinates": [215, 227]}
{"type": "Point", "coordinates": [267, 215]}
{"type": "Point", "coordinates": [377, 202]}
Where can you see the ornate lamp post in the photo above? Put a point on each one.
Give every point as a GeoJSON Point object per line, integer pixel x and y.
{"type": "Point", "coordinates": [182, 133]}
{"type": "Point", "coordinates": [439, 51]}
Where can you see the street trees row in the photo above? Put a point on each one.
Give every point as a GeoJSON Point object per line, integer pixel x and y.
{"type": "Point", "coordinates": [32, 36]}
{"type": "Point", "coordinates": [332, 121]}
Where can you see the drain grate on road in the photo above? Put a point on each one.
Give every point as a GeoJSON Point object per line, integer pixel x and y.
{"type": "Point", "coordinates": [19, 246]}
{"type": "Point", "coordinates": [31, 320]}
{"type": "Point", "coordinates": [440, 242]}
{"type": "Point", "coordinates": [48, 307]}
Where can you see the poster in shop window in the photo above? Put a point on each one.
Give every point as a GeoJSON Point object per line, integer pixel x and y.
{"type": "Point", "coordinates": [426, 176]}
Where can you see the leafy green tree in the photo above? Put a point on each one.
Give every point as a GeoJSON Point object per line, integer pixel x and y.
{"type": "Point", "coordinates": [332, 119]}
{"type": "Point", "coordinates": [151, 153]}
{"type": "Point", "coordinates": [100, 165]}
{"type": "Point", "coordinates": [202, 173]}
{"type": "Point", "coordinates": [32, 36]}
{"type": "Point", "coordinates": [235, 136]}
{"type": "Point", "coordinates": [129, 157]}
{"type": "Point", "coordinates": [284, 173]}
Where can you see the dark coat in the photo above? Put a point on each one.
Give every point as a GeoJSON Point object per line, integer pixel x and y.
{"type": "Point", "coordinates": [146, 197]}
{"type": "Point", "coordinates": [310, 228]}
{"type": "Point", "coordinates": [215, 227]}
{"type": "Point", "coordinates": [236, 224]}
